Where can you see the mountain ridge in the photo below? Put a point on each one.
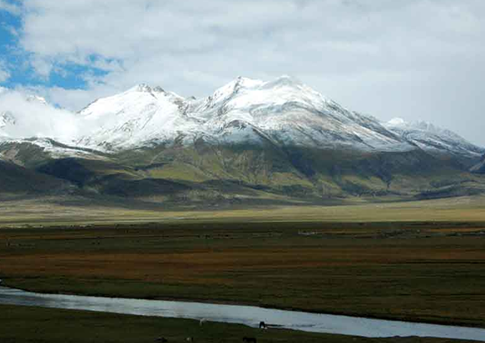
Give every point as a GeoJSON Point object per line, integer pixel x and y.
{"type": "Point", "coordinates": [250, 139]}
{"type": "Point", "coordinates": [283, 110]}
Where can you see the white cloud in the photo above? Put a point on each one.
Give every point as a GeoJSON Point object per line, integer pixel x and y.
{"type": "Point", "coordinates": [33, 118]}
{"type": "Point", "coordinates": [385, 57]}
{"type": "Point", "coordinates": [9, 7]}
{"type": "Point", "coordinates": [4, 72]}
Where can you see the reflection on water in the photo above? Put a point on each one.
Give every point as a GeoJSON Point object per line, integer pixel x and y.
{"type": "Point", "coordinates": [247, 315]}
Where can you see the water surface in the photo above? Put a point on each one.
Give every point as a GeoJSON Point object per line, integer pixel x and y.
{"type": "Point", "coordinates": [248, 315]}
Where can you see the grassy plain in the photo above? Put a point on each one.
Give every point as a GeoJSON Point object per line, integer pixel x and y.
{"type": "Point", "coordinates": [71, 210]}
{"type": "Point", "coordinates": [433, 272]}
{"type": "Point", "coordinates": [418, 261]}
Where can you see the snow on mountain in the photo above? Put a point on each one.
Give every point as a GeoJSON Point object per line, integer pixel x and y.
{"type": "Point", "coordinates": [479, 168]}
{"type": "Point", "coordinates": [283, 111]}
{"type": "Point", "coordinates": [432, 138]}
{"type": "Point", "coordinates": [6, 119]}
{"type": "Point", "coordinates": [292, 113]}
{"type": "Point", "coordinates": [135, 117]}
{"type": "Point", "coordinates": [37, 99]}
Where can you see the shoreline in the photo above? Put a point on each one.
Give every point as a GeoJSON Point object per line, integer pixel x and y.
{"type": "Point", "coordinates": [402, 319]}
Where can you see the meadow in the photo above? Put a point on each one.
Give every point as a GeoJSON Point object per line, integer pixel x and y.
{"type": "Point", "coordinates": [432, 272]}
{"type": "Point", "coordinates": [415, 261]}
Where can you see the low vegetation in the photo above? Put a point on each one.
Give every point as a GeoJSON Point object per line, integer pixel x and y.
{"type": "Point", "coordinates": [432, 272]}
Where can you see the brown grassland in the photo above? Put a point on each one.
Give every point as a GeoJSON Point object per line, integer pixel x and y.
{"type": "Point", "coordinates": [422, 261]}
{"type": "Point", "coordinates": [424, 272]}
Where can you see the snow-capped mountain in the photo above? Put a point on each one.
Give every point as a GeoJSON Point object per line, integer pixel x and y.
{"type": "Point", "coordinates": [6, 119]}
{"type": "Point", "coordinates": [282, 112]}
{"type": "Point", "coordinates": [432, 138]}
{"type": "Point", "coordinates": [248, 137]}
{"type": "Point", "coordinates": [133, 118]}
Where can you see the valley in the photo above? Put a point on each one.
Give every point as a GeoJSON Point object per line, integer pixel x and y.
{"type": "Point", "coordinates": [263, 193]}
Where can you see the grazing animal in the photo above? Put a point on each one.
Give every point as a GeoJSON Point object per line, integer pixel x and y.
{"type": "Point", "coordinates": [190, 339]}
{"type": "Point", "coordinates": [201, 322]}
{"type": "Point", "coordinates": [249, 340]}
{"type": "Point", "coordinates": [262, 325]}
{"type": "Point", "coordinates": [161, 340]}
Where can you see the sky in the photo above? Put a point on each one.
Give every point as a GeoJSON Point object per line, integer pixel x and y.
{"type": "Point", "coordinates": [414, 59]}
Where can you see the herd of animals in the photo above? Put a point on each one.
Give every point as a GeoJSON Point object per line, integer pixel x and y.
{"type": "Point", "coordinates": [262, 325]}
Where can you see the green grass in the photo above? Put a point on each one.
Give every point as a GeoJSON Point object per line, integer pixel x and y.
{"type": "Point", "coordinates": [69, 210]}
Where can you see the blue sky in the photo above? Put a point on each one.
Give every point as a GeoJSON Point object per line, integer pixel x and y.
{"type": "Point", "coordinates": [415, 59]}
{"type": "Point", "coordinates": [16, 60]}
{"type": "Point", "coordinates": [8, 47]}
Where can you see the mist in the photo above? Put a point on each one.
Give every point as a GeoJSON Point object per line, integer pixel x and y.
{"type": "Point", "coordinates": [35, 118]}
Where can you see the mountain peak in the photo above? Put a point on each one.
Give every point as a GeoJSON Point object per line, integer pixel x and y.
{"type": "Point", "coordinates": [285, 80]}
{"type": "Point", "coordinates": [244, 82]}
{"type": "Point", "coordinates": [419, 125]}
{"type": "Point", "coordinates": [158, 89]}
{"type": "Point", "coordinates": [140, 88]}
{"type": "Point", "coordinates": [431, 137]}
{"type": "Point", "coordinates": [38, 99]}
{"type": "Point", "coordinates": [396, 122]}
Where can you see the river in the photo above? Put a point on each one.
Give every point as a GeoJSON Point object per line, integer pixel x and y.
{"type": "Point", "coordinates": [248, 315]}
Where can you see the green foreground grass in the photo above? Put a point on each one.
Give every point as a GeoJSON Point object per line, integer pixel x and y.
{"type": "Point", "coordinates": [62, 212]}
{"type": "Point", "coordinates": [35, 325]}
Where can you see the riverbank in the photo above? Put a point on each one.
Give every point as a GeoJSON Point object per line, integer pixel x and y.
{"type": "Point", "coordinates": [29, 325]}
{"type": "Point", "coordinates": [237, 314]}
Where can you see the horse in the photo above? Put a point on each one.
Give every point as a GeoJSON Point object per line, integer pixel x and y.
{"type": "Point", "coordinates": [262, 325]}
{"type": "Point", "coordinates": [249, 340]}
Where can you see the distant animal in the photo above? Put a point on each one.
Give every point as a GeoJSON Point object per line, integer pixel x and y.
{"type": "Point", "coordinates": [190, 339]}
{"type": "Point", "coordinates": [249, 340]}
{"type": "Point", "coordinates": [161, 340]}
{"type": "Point", "coordinates": [262, 325]}
{"type": "Point", "coordinates": [201, 322]}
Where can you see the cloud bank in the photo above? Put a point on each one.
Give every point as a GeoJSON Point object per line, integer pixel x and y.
{"type": "Point", "coordinates": [35, 118]}
{"type": "Point", "coordinates": [416, 59]}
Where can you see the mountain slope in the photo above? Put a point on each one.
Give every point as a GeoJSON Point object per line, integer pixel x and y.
{"type": "Point", "coordinates": [249, 141]}
{"type": "Point", "coordinates": [283, 112]}
{"type": "Point", "coordinates": [15, 180]}
{"type": "Point", "coordinates": [434, 139]}
{"type": "Point", "coordinates": [134, 118]}
{"type": "Point", "coordinates": [479, 168]}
